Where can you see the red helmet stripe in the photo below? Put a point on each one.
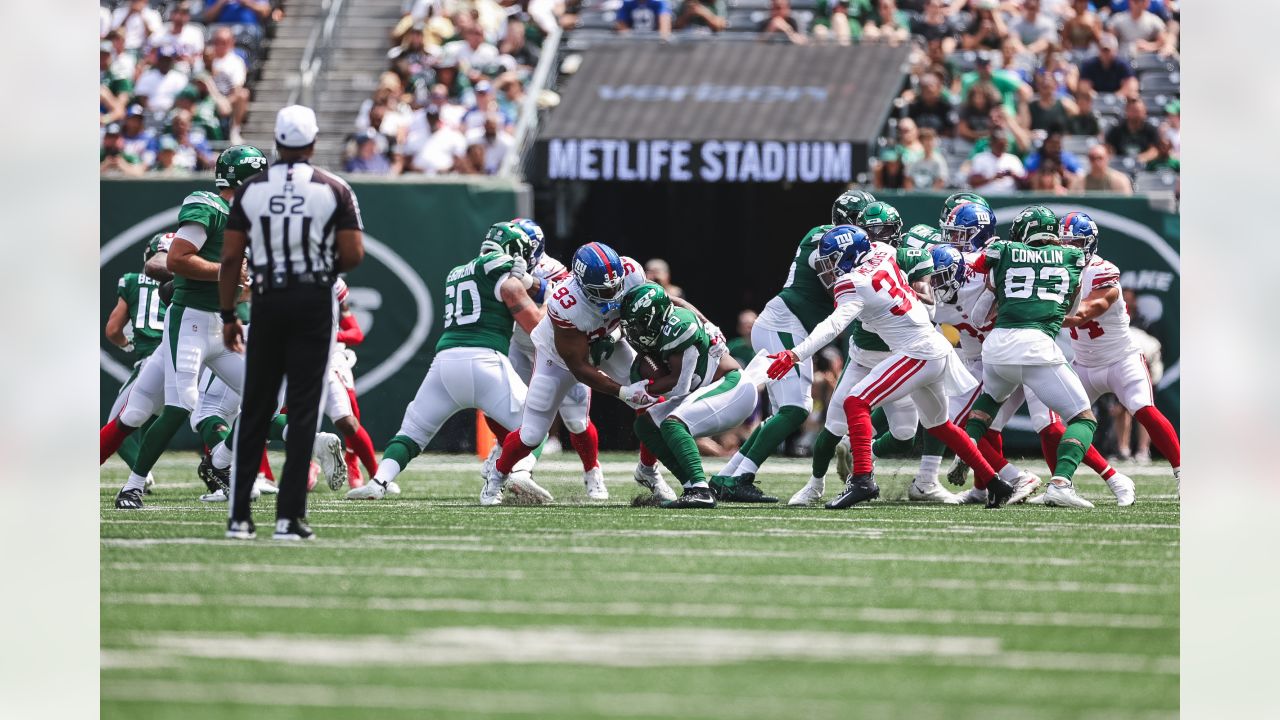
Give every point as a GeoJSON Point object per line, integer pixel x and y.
{"type": "Point", "coordinates": [604, 259]}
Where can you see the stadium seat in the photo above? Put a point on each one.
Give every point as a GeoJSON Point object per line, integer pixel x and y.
{"type": "Point", "coordinates": [1169, 83]}
{"type": "Point", "coordinates": [1155, 181]}
{"type": "Point", "coordinates": [1151, 62]}
{"type": "Point", "coordinates": [1109, 104]}
{"type": "Point", "coordinates": [1078, 144]}
{"type": "Point", "coordinates": [1124, 164]}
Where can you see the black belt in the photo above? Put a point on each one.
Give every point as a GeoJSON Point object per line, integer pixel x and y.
{"type": "Point", "coordinates": [263, 282]}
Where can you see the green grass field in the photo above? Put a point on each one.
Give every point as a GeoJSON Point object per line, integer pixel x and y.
{"type": "Point", "coordinates": [433, 607]}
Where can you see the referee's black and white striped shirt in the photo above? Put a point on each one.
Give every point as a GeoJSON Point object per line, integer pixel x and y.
{"type": "Point", "coordinates": [291, 213]}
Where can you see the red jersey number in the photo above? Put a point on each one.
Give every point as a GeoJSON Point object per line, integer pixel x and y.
{"type": "Point", "coordinates": [898, 290]}
{"type": "Point", "coordinates": [566, 300]}
{"type": "Point", "coordinates": [1092, 327]}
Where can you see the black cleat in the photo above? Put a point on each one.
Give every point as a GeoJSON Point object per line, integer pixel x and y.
{"type": "Point", "coordinates": [693, 497]}
{"type": "Point", "coordinates": [129, 499]}
{"type": "Point", "coordinates": [213, 478]}
{"type": "Point", "coordinates": [857, 488]}
{"type": "Point", "coordinates": [998, 493]}
{"type": "Point", "coordinates": [740, 489]}
{"type": "Point", "coordinates": [292, 529]}
{"type": "Point", "coordinates": [241, 530]}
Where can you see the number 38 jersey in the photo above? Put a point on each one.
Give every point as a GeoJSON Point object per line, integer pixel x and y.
{"type": "Point", "coordinates": [890, 307]}
{"type": "Point", "coordinates": [569, 307]}
{"type": "Point", "coordinates": [1035, 286]}
{"type": "Point", "coordinates": [1104, 339]}
{"type": "Point", "coordinates": [475, 315]}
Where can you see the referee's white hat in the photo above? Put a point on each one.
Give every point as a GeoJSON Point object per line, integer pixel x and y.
{"type": "Point", "coordinates": [296, 126]}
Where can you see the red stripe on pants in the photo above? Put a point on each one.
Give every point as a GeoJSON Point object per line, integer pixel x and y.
{"type": "Point", "coordinates": [894, 379]}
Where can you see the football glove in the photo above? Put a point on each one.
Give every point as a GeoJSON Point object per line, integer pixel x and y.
{"type": "Point", "coordinates": [602, 349]}
{"type": "Point", "coordinates": [637, 395]}
{"type": "Point", "coordinates": [782, 364]}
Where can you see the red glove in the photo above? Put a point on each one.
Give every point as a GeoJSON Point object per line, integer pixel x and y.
{"type": "Point", "coordinates": [349, 332]}
{"type": "Point", "coordinates": [782, 364]}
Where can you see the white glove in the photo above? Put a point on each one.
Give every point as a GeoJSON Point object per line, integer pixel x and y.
{"type": "Point", "coordinates": [636, 395]}
{"type": "Point", "coordinates": [128, 347]}
{"type": "Point", "coordinates": [520, 271]}
{"type": "Point", "coordinates": [714, 332]}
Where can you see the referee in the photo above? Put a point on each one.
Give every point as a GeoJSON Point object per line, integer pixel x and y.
{"type": "Point", "coordinates": [301, 225]}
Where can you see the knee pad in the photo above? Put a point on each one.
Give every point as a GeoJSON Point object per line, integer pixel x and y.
{"type": "Point", "coordinates": [575, 426]}
{"type": "Point", "coordinates": [135, 417]}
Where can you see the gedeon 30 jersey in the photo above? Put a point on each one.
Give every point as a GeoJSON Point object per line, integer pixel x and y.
{"type": "Point", "coordinates": [890, 307]}
{"type": "Point", "coordinates": [1104, 339]}
{"type": "Point", "coordinates": [569, 307]}
{"type": "Point", "coordinates": [969, 313]}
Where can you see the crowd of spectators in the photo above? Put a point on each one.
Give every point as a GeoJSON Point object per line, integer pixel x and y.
{"type": "Point", "coordinates": [174, 80]}
{"type": "Point", "coordinates": [454, 87]}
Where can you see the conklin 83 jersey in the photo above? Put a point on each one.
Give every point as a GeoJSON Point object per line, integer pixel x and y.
{"type": "Point", "coordinates": [210, 211]}
{"type": "Point", "coordinates": [803, 293]}
{"type": "Point", "coordinates": [890, 307]}
{"type": "Point", "coordinates": [1104, 339]}
{"type": "Point", "coordinates": [474, 314]}
{"type": "Point", "coordinates": [916, 264]}
{"type": "Point", "coordinates": [553, 271]}
{"type": "Point", "coordinates": [569, 307]}
{"type": "Point", "coordinates": [684, 331]}
{"type": "Point", "coordinates": [1035, 286]}
{"type": "Point", "coordinates": [970, 311]}
{"type": "Point", "coordinates": [146, 311]}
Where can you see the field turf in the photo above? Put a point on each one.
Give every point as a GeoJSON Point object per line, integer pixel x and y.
{"type": "Point", "coordinates": [433, 607]}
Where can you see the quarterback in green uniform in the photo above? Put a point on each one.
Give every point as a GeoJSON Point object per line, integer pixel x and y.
{"type": "Point", "coordinates": [193, 329]}
{"type": "Point", "coordinates": [786, 320]}
{"type": "Point", "coordinates": [702, 385]}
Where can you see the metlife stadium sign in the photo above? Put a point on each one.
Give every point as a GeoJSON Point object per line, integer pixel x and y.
{"type": "Point", "coordinates": [715, 112]}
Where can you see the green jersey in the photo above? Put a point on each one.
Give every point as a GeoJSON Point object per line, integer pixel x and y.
{"type": "Point", "coordinates": [210, 211]}
{"type": "Point", "coordinates": [1035, 286]}
{"type": "Point", "coordinates": [474, 314]}
{"type": "Point", "coordinates": [146, 311]}
{"type": "Point", "coordinates": [683, 331]}
{"type": "Point", "coordinates": [922, 236]}
{"type": "Point", "coordinates": [804, 294]}
{"type": "Point", "coordinates": [916, 264]}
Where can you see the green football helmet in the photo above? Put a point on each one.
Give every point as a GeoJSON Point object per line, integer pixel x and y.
{"type": "Point", "coordinates": [645, 309]}
{"type": "Point", "coordinates": [882, 223]}
{"type": "Point", "coordinates": [1036, 225]}
{"type": "Point", "coordinates": [957, 199]}
{"type": "Point", "coordinates": [510, 239]}
{"type": "Point", "coordinates": [237, 164]}
{"type": "Point", "coordinates": [922, 236]}
{"type": "Point", "coordinates": [158, 243]}
{"type": "Point", "coordinates": [846, 207]}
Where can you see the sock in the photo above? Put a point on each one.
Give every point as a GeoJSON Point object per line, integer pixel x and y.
{"type": "Point", "coordinates": [858, 415]}
{"type": "Point", "coordinates": [587, 445]}
{"type": "Point", "coordinates": [995, 439]}
{"type": "Point", "coordinates": [751, 442]}
{"type": "Point", "coordinates": [929, 465]}
{"type": "Point", "coordinates": [975, 427]}
{"type": "Point", "coordinates": [222, 455]}
{"type": "Point", "coordinates": [1075, 441]}
{"type": "Point", "coordinates": [1009, 473]}
{"type": "Point", "coordinates": [264, 468]}
{"type": "Point", "coordinates": [647, 457]}
{"type": "Point", "coordinates": [111, 437]}
{"type": "Point", "coordinates": [157, 438]}
{"type": "Point", "coordinates": [886, 445]}
{"type": "Point", "coordinates": [684, 451]}
{"type": "Point", "coordinates": [931, 445]}
{"type": "Point", "coordinates": [964, 449]}
{"type": "Point", "coordinates": [824, 448]}
{"type": "Point", "coordinates": [731, 468]}
{"type": "Point", "coordinates": [394, 459]}
{"type": "Point", "coordinates": [362, 445]}
{"type": "Point", "coordinates": [1162, 434]}
{"type": "Point", "coordinates": [279, 425]}
{"type": "Point", "coordinates": [513, 450]}
{"type": "Point", "coordinates": [745, 467]}
{"type": "Point", "coordinates": [1094, 460]}
{"type": "Point", "coordinates": [498, 431]}
{"type": "Point", "coordinates": [774, 432]}
{"type": "Point", "coordinates": [388, 469]}
{"type": "Point", "coordinates": [135, 482]}
{"type": "Point", "coordinates": [133, 443]}
{"type": "Point", "coordinates": [1050, 436]}
{"type": "Point", "coordinates": [537, 452]}
{"type": "Point", "coordinates": [651, 436]}
{"type": "Point", "coordinates": [213, 430]}
{"type": "Point", "coordinates": [993, 458]}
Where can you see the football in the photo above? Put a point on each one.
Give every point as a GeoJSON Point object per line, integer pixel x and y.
{"type": "Point", "coordinates": [648, 368]}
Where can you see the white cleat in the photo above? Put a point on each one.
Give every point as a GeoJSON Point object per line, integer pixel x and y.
{"type": "Point", "coordinates": [328, 452]}
{"type": "Point", "coordinates": [810, 493]}
{"type": "Point", "coordinates": [1064, 495]}
{"type": "Point", "coordinates": [220, 496]}
{"type": "Point", "coordinates": [393, 489]}
{"type": "Point", "coordinates": [1037, 500]}
{"type": "Point", "coordinates": [593, 479]}
{"type": "Point", "coordinates": [651, 479]}
{"type": "Point", "coordinates": [1123, 488]}
{"type": "Point", "coordinates": [491, 493]}
{"type": "Point", "coordinates": [958, 473]}
{"type": "Point", "coordinates": [372, 490]}
{"type": "Point", "coordinates": [933, 493]}
{"type": "Point", "coordinates": [521, 484]}
{"type": "Point", "coordinates": [1024, 486]}
{"type": "Point", "coordinates": [844, 458]}
{"type": "Point", "coordinates": [265, 486]}
{"type": "Point", "coordinates": [487, 466]}
{"type": "Point", "coordinates": [972, 496]}
{"type": "Point", "coordinates": [149, 483]}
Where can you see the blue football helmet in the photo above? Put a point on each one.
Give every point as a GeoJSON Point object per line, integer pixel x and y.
{"type": "Point", "coordinates": [599, 272]}
{"type": "Point", "coordinates": [533, 230]}
{"type": "Point", "coordinates": [1080, 230]}
{"type": "Point", "coordinates": [840, 250]}
{"type": "Point", "coordinates": [969, 227]}
{"type": "Point", "coordinates": [949, 273]}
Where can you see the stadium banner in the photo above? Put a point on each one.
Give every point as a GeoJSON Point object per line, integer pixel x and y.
{"type": "Point", "coordinates": [414, 233]}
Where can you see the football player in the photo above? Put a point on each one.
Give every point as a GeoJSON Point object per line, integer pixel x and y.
{"type": "Point", "coordinates": [192, 334]}
{"type": "Point", "coordinates": [703, 386]}
{"type": "Point", "coordinates": [787, 320]}
{"type": "Point", "coordinates": [1106, 358]}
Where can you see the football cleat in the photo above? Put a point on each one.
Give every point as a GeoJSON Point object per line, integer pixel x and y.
{"type": "Point", "coordinates": [265, 486]}
{"type": "Point", "coordinates": [958, 474]}
{"type": "Point", "coordinates": [487, 466]}
{"type": "Point", "coordinates": [521, 484]}
{"type": "Point", "coordinates": [973, 496]}
{"type": "Point", "coordinates": [292, 529]}
{"type": "Point", "coordinates": [491, 493]}
{"type": "Point", "coordinates": [810, 493]}
{"type": "Point", "coordinates": [333, 465]}
{"type": "Point", "coordinates": [1024, 486]}
{"type": "Point", "coordinates": [393, 488]}
{"type": "Point", "coordinates": [693, 497]}
{"type": "Point", "coordinates": [741, 489]}
{"type": "Point", "coordinates": [998, 493]}
{"type": "Point", "coordinates": [148, 484]}
{"type": "Point", "coordinates": [844, 458]}
{"type": "Point", "coordinates": [857, 488]}
{"type": "Point", "coordinates": [372, 490]}
{"type": "Point", "coordinates": [212, 480]}
{"type": "Point", "coordinates": [1064, 495]}
{"type": "Point", "coordinates": [651, 478]}
{"type": "Point", "coordinates": [1123, 488]}
{"type": "Point", "coordinates": [129, 499]}
{"type": "Point", "coordinates": [932, 492]}
{"type": "Point", "coordinates": [593, 479]}
{"type": "Point", "coordinates": [217, 496]}
{"type": "Point", "coordinates": [241, 530]}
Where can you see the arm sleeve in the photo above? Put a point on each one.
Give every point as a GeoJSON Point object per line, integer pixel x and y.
{"type": "Point", "coordinates": [828, 330]}
{"type": "Point", "coordinates": [349, 332]}
{"type": "Point", "coordinates": [684, 384]}
{"type": "Point", "coordinates": [193, 233]}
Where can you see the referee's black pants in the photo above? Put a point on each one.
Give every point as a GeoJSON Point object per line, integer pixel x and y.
{"type": "Point", "coordinates": [291, 334]}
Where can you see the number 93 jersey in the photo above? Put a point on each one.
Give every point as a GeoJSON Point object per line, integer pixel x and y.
{"type": "Point", "coordinates": [475, 315]}
{"type": "Point", "coordinates": [890, 307]}
{"type": "Point", "coordinates": [1035, 286]}
{"type": "Point", "coordinates": [1104, 339]}
{"type": "Point", "coordinates": [569, 307]}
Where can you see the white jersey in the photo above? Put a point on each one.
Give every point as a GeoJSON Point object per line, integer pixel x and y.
{"type": "Point", "coordinates": [969, 313]}
{"type": "Point", "coordinates": [569, 307]}
{"type": "Point", "coordinates": [889, 307]}
{"type": "Point", "coordinates": [553, 271]}
{"type": "Point", "coordinates": [1105, 339]}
